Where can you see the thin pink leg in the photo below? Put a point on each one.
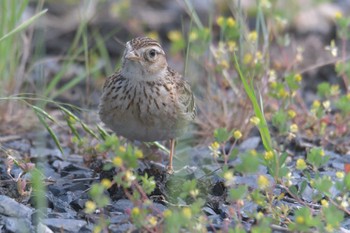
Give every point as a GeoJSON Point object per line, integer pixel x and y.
{"type": "Point", "coordinates": [172, 150]}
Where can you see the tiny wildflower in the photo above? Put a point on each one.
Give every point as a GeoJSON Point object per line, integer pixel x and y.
{"type": "Point", "coordinates": [122, 149]}
{"type": "Point", "coordinates": [90, 207]}
{"type": "Point", "coordinates": [291, 113]}
{"type": "Point", "coordinates": [224, 64]}
{"type": "Point", "coordinates": [263, 182]}
{"type": "Point", "coordinates": [301, 164]}
{"type": "Point", "coordinates": [139, 154]}
{"type": "Point", "coordinates": [332, 48]}
{"type": "Point", "coordinates": [282, 93]}
{"type": "Point", "coordinates": [340, 175]}
{"type": "Point", "coordinates": [255, 120]}
{"type": "Point", "coordinates": [324, 203]}
{"type": "Point", "coordinates": [247, 59]}
{"type": "Point", "coordinates": [300, 220]}
{"type": "Point", "coordinates": [229, 178]}
{"type": "Point", "coordinates": [129, 176]}
{"type": "Point", "coordinates": [273, 84]}
{"type": "Point", "coordinates": [265, 4]}
{"type": "Point", "coordinates": [272, 76]}
{"type": "Point", "coordinates": [269, 155]}
{"type": "Point", "coordinates": [258, 56]}
{"type": "Point", "coordinates": [260, 215]}
{"type": "Point", "coordinates": [252, 36]}
{"type": "Point", "coordinates": [106, 183]}
{"type": "Point", "coordinates": [299, 56]}
{"type": "Point", "coordinates": [298, 78]}
{"type": "Point", "coordinates": [187, 212]}
{"type": "Point", "coordinates": [193, 36]}
{"type": "Point", "coordinates": [135, 211]}
{"type": "Point", "coordinates": [253, 152]}
{"type": "Point", "coordinates": [153, 35]}
{"type": "Point", "coordinates": [230, 22]}
{"type": "Point", "coordinates": [294, 128]}
{"type": "Point", "coordinates": [231, 45]}
{"type": "Point", "coordinates": [214, 148]}
{"type": "Point", "coordinates": [335, 89]}
{"type": "Point", "coordinates": [326, 104]}
{"type": "Point", "coordinates": [153, 221]}
{"type": "Point", "coordinates": [344, 204]}
{"type": "Point", "coordinates": [322, 153]}
{"type": "Point", "coordinates": [329, 227]}
{"type": "Point", "coordinates": [175, 35]}
{"type": "Point", "coordinates": [338, 15]}
{"type": "Point", "coordinates": [167, 213]}
{"type": "Point", "coordinates": [194, 193]}
{"type": "Point", "coordinates": [237, 134]}
{"type": "Point", "coordinates": [117, 161]}
{"type": "Point", "coordinates": [220, 21]}
{"type": "Point", "coordinates": [316, 104]}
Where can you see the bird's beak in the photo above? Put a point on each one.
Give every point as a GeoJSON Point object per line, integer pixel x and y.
{"type": "Point", "coordinates": [132, 56]}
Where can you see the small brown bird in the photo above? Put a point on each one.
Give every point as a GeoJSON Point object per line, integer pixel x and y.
{"type": "Point", "coordinates": [146, 100]}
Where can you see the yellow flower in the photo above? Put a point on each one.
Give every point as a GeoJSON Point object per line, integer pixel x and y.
{"type": "Point", "coordinates": [300, 220]}
{"type": "Point", "coordinates": [122, 149]}
{"type": "Point", "coordinates": [329, 227]}
{"type": "Point", "coordinates": [253, 152]}
{"type": "Point", "coordinates": [129, 176]}
{"type": "Point", "coordinates": [252, 36]}
{"type": "Point", "coordinates": [153, 221]}
{"type": "Point", "coordinates": [269, 155]}
{"type": "Point", "coordinates": [135, 211]}
{"type": "Point", "coordinates": [301, 164]}
{"type": "Point", "coordinates": [230, 22]}
{"type": "Point", "coordinates": [282, 93]}
{"type": "Point", "coordinates": [167, 213]}
{"type": "Point", "coordinates": [117, 161]}
{"type": "Point", "coordinates": [340, 175]}
{"type": "Point", "coordinates": [228, 176]}
{"type": "Point", "coordinates": [316, 104]}
{"type": "Point", "coordinates": [298, 78]}
{"type": "Point", "coordinates": [153, 35]}
{"type": "Point", "coordinates": [139, 154]}
{"type": "Point", "coordinates": [247, 59]}
{"type": "Point", "coordinates": [291, 113]}
{"type": "Point", "coordinates": [263, 182]}
{"type": "Point", "coordinates": [90, 207]}
{"type": "Point", "coordinates": [174, 35]}
{"type": "Point", "coordinates": [294, 128]}
{"type": "Point", "coordinates": [231, 45]}
{"type": "Point", "coordinates": [193, 36]}
{"type": "Point", "coordinates": [322, 153]}
{"type": "Point", "coordinates": [260, 215]}
{"type": "Point", "coordinates": [255, 120]}
{"type": "Point", "coordinates": [224, 64]}
{"type": "Point", "coordinates": [273, 84]}
{"type": "Point", "coordinates": [237, 134]}
{"type": "Point", "coordinates": [187, 212]}
{"type": "Point", "coordinates": [324, 203]}
{"type": "Point", "coordinates": [215, 145]}
{"type": "Point", "coordinates": [335, 89]}
{"type": "Point", "coordinates": [338, 15]}
{"type": "Point", "coordinates": [106, 183]}
{"type": "Point", "coordinates": [194, 193]}
{"type": "Point", "coordinates": [220, 21]}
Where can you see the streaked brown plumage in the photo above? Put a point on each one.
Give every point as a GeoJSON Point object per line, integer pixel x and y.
{"type": "Point", "coordinates": [147, 100]}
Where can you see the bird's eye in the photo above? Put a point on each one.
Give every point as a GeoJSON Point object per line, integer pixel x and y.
{"type": "Point", "coordinates": [152, 53]}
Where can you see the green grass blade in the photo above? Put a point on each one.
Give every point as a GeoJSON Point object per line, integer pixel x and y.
{"type": "Point", "coordinates": [23, 25]}
{"type": "Point", "coordinates": [263, 128]}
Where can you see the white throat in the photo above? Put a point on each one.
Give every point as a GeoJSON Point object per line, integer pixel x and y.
{"type": "Point", "coordinates": [134, 71]}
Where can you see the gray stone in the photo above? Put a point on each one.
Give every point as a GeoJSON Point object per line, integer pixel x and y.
{"type": "Point", "coordinates": [11, 208]}
{"type": "Point", "coordinates": [65, 225]}
{"type": "Point", "coordinates": [18, 225]}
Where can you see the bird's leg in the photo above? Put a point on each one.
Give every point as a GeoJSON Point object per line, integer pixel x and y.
{"type": "Point", "coordinates": [172, 150]}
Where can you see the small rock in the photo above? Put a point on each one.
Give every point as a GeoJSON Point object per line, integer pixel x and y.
{"type": "Point", "coordinates": [11, 208]}
{"type": "Point", "coordinates": [122, 205]}
{"type": "Point", "coordinates": [249, 144]}
{"type": "Point", "coordinates": [18, 225]}
{"type": "Point", "coordinates": [65, 225]}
